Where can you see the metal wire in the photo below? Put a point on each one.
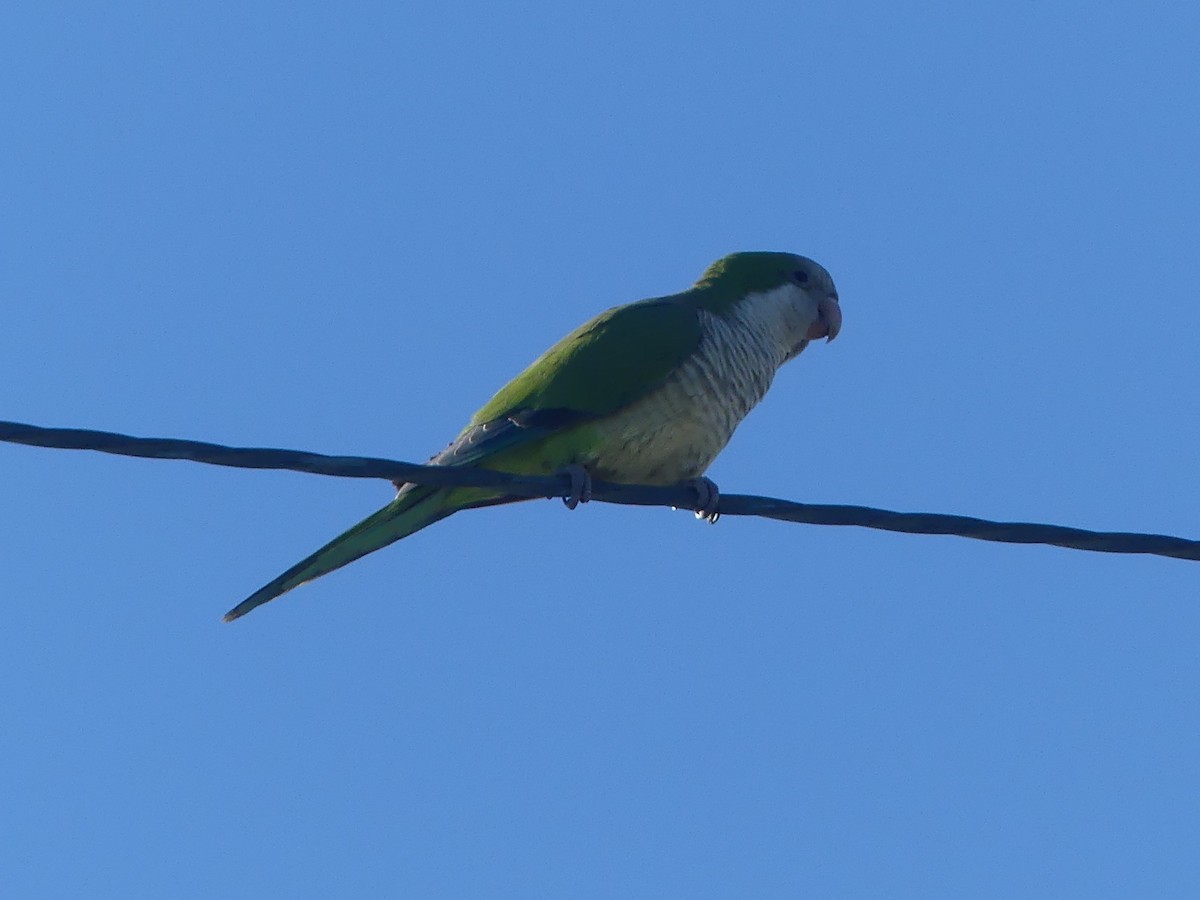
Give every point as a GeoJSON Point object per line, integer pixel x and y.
{"type": "Point", "coordinates": [639, 495]}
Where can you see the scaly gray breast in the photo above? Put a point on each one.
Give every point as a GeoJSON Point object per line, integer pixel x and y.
{"type": "Point", "coordinates": [676, 431]}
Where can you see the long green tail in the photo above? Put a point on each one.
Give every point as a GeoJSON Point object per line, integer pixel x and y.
{"type": "Point", "coordinates": [414, 509]}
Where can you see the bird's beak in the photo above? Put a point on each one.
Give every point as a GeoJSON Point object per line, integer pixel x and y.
{"type": "Point", "coordinates": [829, 319]}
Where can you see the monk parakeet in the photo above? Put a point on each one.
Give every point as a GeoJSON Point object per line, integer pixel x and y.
{"type": "Point", "coordinates": [647, 393]}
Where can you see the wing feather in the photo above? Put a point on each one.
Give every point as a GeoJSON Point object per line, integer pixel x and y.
{"type": "Point", "coordinates": [601, 367]}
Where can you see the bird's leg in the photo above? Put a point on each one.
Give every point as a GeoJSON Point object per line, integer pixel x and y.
{"type": "Point", "coordinates": [708, 498]}
{"type": "Point", "coordinates": [581, 485]}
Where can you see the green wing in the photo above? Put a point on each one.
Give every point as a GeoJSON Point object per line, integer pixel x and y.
{"type": "Point", "coordinates": [597, 369]}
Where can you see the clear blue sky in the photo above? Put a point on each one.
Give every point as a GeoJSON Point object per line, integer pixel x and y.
{"type": "Point", "coordinates": [340, 227]}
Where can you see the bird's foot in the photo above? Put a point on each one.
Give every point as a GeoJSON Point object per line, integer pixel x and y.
{"type": "Point", "coordinates": [581, 485]}
{"type": "Point", "coordinates": [708, 498]}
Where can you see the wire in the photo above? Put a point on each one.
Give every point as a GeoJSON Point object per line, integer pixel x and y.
{"type": "Point", "coordinates": [680, 496]}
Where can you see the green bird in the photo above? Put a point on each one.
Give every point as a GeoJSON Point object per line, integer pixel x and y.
{"type": "Point", "coordinates": [647, 393]}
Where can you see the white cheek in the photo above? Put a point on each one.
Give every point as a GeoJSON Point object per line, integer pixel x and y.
{"type": "Point", "coordinates": [779, 317]}
{"type": "Point", "coordinates": [807, 309]}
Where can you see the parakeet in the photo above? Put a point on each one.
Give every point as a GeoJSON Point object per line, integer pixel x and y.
{"type": "Point", "coordinates": [646, 393]}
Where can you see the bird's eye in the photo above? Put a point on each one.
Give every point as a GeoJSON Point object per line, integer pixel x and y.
{"type": "Point", "coordinates": [800, 276]}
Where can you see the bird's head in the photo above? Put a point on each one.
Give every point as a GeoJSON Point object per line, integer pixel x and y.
{"type": "Point", "coordinates": [808, 288]}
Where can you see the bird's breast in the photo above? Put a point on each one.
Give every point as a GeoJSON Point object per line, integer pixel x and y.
{"type": "Point", "coordinates": [676, 430]}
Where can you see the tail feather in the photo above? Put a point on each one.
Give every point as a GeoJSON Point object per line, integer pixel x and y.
{"type": "Point", "coordinates": [408, 513]}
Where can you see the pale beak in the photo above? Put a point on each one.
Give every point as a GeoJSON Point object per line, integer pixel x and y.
{"type": "Point", "coordinates": [829, 319]}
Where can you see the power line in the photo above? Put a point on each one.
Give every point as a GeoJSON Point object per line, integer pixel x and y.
{"type": "Point", "coordinates": [680, 496]}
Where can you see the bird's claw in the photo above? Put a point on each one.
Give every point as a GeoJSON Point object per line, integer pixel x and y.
{"type": "Point", "coordinates": [581, 485]}
{"type": "Point", "coordinates": [708, 498]}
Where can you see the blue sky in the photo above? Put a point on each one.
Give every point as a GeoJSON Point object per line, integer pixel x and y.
{"type": "Point", "coordinates": [341, 227]}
